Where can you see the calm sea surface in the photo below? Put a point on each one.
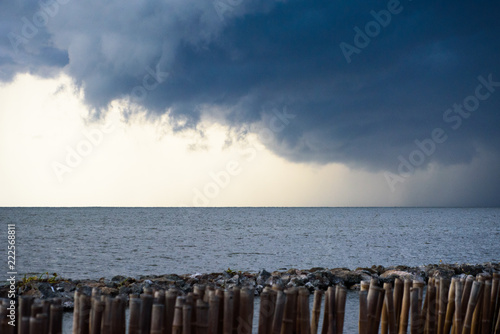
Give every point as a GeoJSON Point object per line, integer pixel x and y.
{"type": "Point", "coordinates": [104, 242]}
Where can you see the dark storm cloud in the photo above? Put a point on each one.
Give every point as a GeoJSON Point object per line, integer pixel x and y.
{"type": "Point", "coordinates": [364, 107]}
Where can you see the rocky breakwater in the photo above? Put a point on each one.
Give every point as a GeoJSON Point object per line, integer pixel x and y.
{"type": "Point", "coordinates": [314, 278]}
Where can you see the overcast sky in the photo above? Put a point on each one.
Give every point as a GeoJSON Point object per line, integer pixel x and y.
{"type": "Point", "coordinates": [249, 103]}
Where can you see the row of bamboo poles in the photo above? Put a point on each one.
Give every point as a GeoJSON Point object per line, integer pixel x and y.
{"type": "Point", "coordinates": [465, 305]}
{"type": "Point", "coordinates": [460, 306]}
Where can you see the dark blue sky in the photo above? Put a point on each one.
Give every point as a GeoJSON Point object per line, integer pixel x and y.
{"type": "Point", "coordinates": [412, 61]}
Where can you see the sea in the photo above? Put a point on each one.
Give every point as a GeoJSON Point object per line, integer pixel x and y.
{"type": "Point", "coordinates": [91, 243]}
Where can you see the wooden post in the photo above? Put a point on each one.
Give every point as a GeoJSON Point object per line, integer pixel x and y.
{"type": "Point", "coordinates": [474, 296]}
{"type": "Point", "coordinates": [405, 308]}
{"type": "Point", "coordinates": [158, 311]}
{"type": "Point", "coordinates": [118, 316]}
{"type": "Point", "coordinates": [278, 312]}
{"type": "Point", "coordinates": [107, 316]}
{"type": "Point", "coordinates": [398, 300]}
{"type": "Point", "coordinates": [363, 312]}
{"type": "Point", "coordinates": [146, 308]}
{"type": "Point", "coordinates": [227, 325]}
{"type": "Point", "coordinates": [316, 311]}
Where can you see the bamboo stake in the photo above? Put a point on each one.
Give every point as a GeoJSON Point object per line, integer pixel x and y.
{"type": "Point", "coordinates": [44, 319]}
{"type": "Point", "coordinates": [25, 328]}
{"type": "Point", "coordinates": [227, 326]}
{"type": "Point", "coordinates": [84, 313]}
{"type": "Point", "coordinates": [414, 311]}
{"type": "Point", "coordinates": [56, 315]}
{"type": "Point", "coordinates": [246, 311]}
{"type": "Point", "coordinates": [486, 318]}
{"type": "Point", "coordinates": [213, 314]}
{"type": "Point", "coordinates": [372, 301]}
{"type": "Point", "coordinates": [495, 287]}
{"type": "Point", "coordinates": [316, 311]}
{"type": "Point", "coordinates": [186, 318]}
{"type": "Point", "coordinates": [24, 311]}
{"type": "Point", "coordinates": [497, 326]}
{"type": "Point", "coordinates": [391, 316]}
{"type": "Point", "coordinates": [474, 296]}
{"type": "Point", "coordinates": [35, 326]}
{"type": "Point", "coordinates": [331, 325]}
{"type": "Point", "coordinates": [304, 318]}
{"type": "Point", "coordinates": [398, 300]}
{"type": "Point", "coordinates": [200, 291]}
{"type": "Point", "coordinates": [76, 313]}
{"type": "Point", "coordinates": [444, 287]}
{"type": "Point", "coordinates": [158, 312]}
{"type": "Point", "coordinates": [177, 321]}
{"type": "Point", "coordinates": [403, 322]}
{"type": "Point", "coordinates": [341, 296]}
{"type": "Point", "coordinates": [450, 309]}
{"type": "Point", "coordinates": [326, 312]}
{"type": "Point", "coordinates": [202, 316]}
{"type": "Point", "coordinates": [363, 312]}
{"type": "Point", "coordinates": [290, 309]}
{"type": "Point", "coordinates": [170, 300]}
{"type": "Point", "coordinates": [134, 323]}
{"type": "Point", "coordinates": [477, 315]}
{"type": "Point", "coordinates": [236, 311]}
{"type": "Point", "coordinates": [466, 294]}
{"type": "Point", "coordinates": [380, 304]}
{"type": "Point", "coordinates": [271, 308]}
{"type": "Point", "coordinates": [384, 324]}
{"type": "Point", "coordinates": [220, 293]}
{"type": "Point", "coordinates": [96, 316]}
{"type": "Point", "coordinates": [458, 321]}
{"type": "Point", "coordinates": [430, 320]}
{"type": "Point", "coordinates": [278, 312]}
{"type": "Point", "coordinates": [146, 308]}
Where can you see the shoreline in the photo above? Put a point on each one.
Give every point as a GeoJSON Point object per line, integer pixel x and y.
{"type": "Point", "coordinates": [317, 278]}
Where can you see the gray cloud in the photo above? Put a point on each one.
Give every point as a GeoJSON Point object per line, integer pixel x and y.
{"type": "Point", "coordinates": [259, 55]}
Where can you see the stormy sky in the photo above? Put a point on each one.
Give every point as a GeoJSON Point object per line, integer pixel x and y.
{"type": "Point", "coordinates": [398, 101]}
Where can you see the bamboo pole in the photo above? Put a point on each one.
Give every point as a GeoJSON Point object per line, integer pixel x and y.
{"type": "Point", "coordinates": [289, 311]}
{"type": "Point", "coordinates": [134, 323]}
{"type": "Point", "coordinates": [430, 320]}
{"type": "Point", "coordinates": [331, 325]}
{"type": "Point", "coordinates": [341, 296]}
{"type": "Point", "coordinates": [380, 304]}
{"type": "Point", "coordinates": [246, 311]}
{"type": "Point", "coordinates": [372, 301]}
{"type": "Point", "coordinates": [391, 316]}
{"type": "Point", "coordinates": [187, 309]}
{"type": "Point", "coordinates": [478, 311]}
{"type": "Point", "coordinates": [444, 287]}
{"type": "Point", "coordinates": [363, 312]}
{"type": "Point", "coordinates": [202, 317]}
{"type": "Point", "coordinates": [384, 323]}
{"type": "Point", "coordinates": [24, 311]}
{"type": "Point", "coordinates": [316, 311]}
{"type": "Point", "coordinates": [265, 312]}
{"type": "Point", "coordinates": [494, 299]}
{"type": "Point", "coordinates": [271, 308]}
{"type": "Point", "coordinates": [398, 300]}
{"type": "Point", "coordinates": [450, 309]}
{"type": "Point", "coordinates": [236, 311]}
{"type": "Point", "coordinates": [177, 320]}
{"type": "Point", "coordinates": [158, 312]}
{"type": "Point", "coordinates": [96, 316]}
{"type": "Point", "coordinates": [44, 320]}
{"type": "Point", "coordinates": [474, 296]}
{"type": "Point", "coordinates": [458, 320]}
{"type": "Point", "coordinates": [466, 294]}
{"type": "Point", "coordinates": [414, 311]}
{"type": "Point", "coordinates": [84, 313]}
{"type": "Point", "coordinates": [25, 328]}
{"type": "Point", "coordinates": [324, 328]}
{"type": "Point", "coordinates": [278, 312]}
{"type": "Point", "coordinates": [200, 291]}
{"type": "Point", "coordinates": [304, 318]}
{"type": "Point", "coordinates": [56, 315]}
{"type": "Point", "coordinates": [497, 326]}
{"type": "Point", "coordinates": [170, 300]}
{"type": "Point", "coordinates": [227, 327]}
{"type": "Point", "coordinates": [405, 308]}
{"type": "Point", "coordinates": [213, 314]}
{"type": "Point", "coordinates": [76, 313]}
{"type": "Point", "coordinates": [486, 318]}
{"type": "Point", "coordinates": [35, 325]}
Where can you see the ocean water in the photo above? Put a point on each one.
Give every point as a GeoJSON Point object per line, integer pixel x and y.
{"type": "Point", "coordinates": [104, 242]}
